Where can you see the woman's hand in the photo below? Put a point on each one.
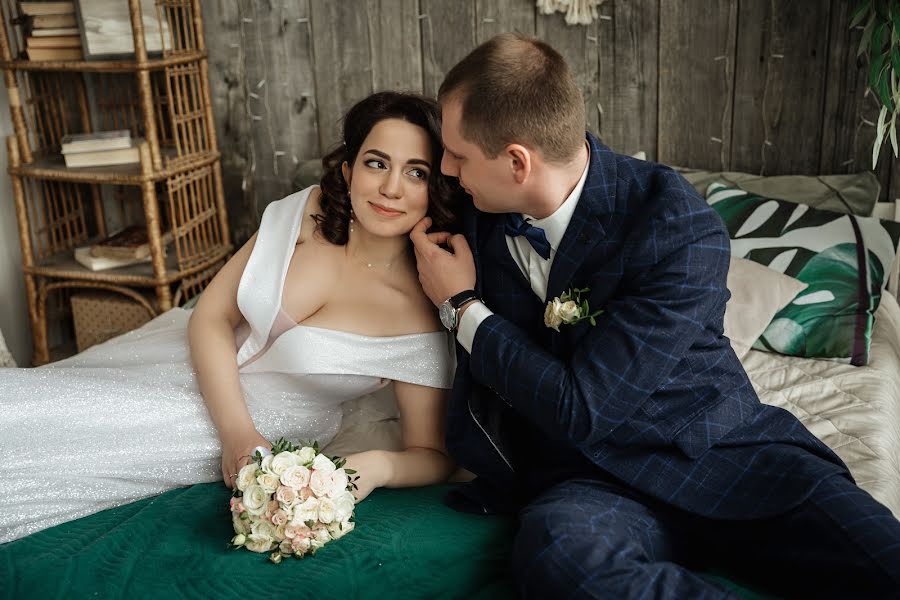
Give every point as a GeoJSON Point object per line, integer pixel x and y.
{"type": "Point", "coordinates": [373, 469]}
{"type": "Point", "coordinates": [237, 451]}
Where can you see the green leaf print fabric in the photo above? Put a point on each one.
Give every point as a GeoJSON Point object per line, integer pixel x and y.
{"type": "Point", "coordinates": [845, 260]}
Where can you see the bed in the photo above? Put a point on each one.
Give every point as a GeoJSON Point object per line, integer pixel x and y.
{"type": "Point", "coordinates": [407, 543]}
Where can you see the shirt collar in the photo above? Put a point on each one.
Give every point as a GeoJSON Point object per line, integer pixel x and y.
{"type": "Point", "coordinates": [555, 225]}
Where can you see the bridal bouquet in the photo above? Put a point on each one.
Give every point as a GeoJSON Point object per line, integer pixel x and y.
{"type": "Point", "coordinates": [292, 501]}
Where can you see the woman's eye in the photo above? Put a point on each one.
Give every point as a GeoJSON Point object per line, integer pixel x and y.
{"type": "Point", "coordinates": [375, 163]}
{"type": "Point", "coordinates": [419, 173]}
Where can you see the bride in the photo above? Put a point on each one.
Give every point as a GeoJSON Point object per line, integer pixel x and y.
{"type": "Point", "coordinates": [322, 305]}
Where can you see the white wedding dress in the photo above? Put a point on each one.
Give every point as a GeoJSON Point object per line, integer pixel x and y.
{"type": "Point", "coordinates": [125, 419]}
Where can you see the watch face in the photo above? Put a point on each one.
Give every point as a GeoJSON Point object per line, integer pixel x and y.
{"type": "Point", "coordinates": [448, 315]}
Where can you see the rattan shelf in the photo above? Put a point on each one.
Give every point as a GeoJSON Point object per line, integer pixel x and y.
{"type": "Point", "coordinates": [102, 66]}
{"type": "Point", "coordinates": [175, 189]}
{"type": "Point", "coordinates": [54, 168]}
{"type": "Point", "coordinates": [64, 266]}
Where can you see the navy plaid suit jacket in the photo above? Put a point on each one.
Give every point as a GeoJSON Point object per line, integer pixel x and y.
{"type": "Point", "coordinates": [653, 394]}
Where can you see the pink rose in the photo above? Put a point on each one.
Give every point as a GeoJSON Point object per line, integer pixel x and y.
{"type": "Point", "coordinates": [285, 495]}
{"type": "Point", "coordinates": [279, 518]}
{"type": "Point", "coordinates": [236, 506]}
{"type": "Point", "coordinates": [305, 493]}
{"type": "Point", "coordinates": [295, 531]}
{"type": "Point", "coordinates": [300, 545]}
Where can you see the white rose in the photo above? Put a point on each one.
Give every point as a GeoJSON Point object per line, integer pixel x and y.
{"type": "Point", "coordinates": [241, 526]}
{"type": "Point", "coordinates": [339, 530]}
{"type": "Point", "coordinates": [246, 476]}
{"type": "Point", "coordinates": [258, 543]}
{"type": "Point", "coordinates": [323, 464]}
{"type": "Point", "coordinates": [282, 461]}
{"type": "Point", "coordinates": [295, 476]}
{"type": "Point", "coordinates": [263, 528]}
{"type": "Point", "coordinates": [321, 534]}
{"type": "Point", "coordinates": [319, 482]}
{"type": "Point", "coordinates": [569, 311]}
{"type": "Point", "coordinates": [308, 511]}
{"type": "Point", "coordinates": [286, 496]}
{"type": "Point", "coordinates": [551, 314]}
{"type": "Point", "coordinates": [305, 455]}
{"type": "Point", "coordinates": [326, 510]}
{"type": "Point", "coordinates": [338, 483]}
{"type": "Point", "coordinates": [268, 482]}
{"type": "Point", "coordinates": [255, 500]}
{"type": "Point", "coordinates": [285, 547]}
{"type": "Point", "coordinates": [343, 506]}
{"type": "Point", "coordinates": [266, 463]}
{"type": "Point", "coordinates": [300, 545]}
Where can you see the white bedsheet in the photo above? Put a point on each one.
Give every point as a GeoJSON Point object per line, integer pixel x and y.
{"type": "Point", "coordinates": [854, 410]}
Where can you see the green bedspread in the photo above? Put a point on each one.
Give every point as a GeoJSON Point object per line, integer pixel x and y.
{"type": "Point", "coordinates": [407, 544]}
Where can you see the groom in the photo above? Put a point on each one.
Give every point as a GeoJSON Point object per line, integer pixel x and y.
{"type": "Point", "coordinates": [630, 442]}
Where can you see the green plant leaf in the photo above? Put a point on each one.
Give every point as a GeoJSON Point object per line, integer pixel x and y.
{"type": "Point", "coordinates": [879, 136]}
{"type": "Point", "coordinates": [892, 128]}
{"type": "Point", "coordinates": [866, 37]}
{"type": "Point", "coordinates": [859, 13]}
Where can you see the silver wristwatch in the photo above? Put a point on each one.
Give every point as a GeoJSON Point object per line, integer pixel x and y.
{"type": "Point", "coordinates": [449, 310]}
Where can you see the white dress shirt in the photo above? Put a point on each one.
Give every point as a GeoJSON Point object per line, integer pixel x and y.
{"type": "Point", "coordinates": [532, 265]}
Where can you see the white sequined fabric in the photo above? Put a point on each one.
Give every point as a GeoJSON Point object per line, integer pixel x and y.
{"type": "Point", "coordinates": [125, 419]}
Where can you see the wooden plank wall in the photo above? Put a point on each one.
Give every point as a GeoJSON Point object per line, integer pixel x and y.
{"type": "Point", "coordinates": [763, 87]}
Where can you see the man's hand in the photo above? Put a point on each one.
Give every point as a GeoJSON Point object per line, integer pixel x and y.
{"type": "Point", "coordinates": [442, 274]}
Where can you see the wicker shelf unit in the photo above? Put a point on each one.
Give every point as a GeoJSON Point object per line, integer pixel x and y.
{"type": "Point", "coordinates": [175, 189]}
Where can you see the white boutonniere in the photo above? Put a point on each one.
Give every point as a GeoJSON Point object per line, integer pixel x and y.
{"type": "Point", "coordinates": [568, 308]}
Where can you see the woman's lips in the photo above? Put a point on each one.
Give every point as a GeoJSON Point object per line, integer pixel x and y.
{"type": "Point", "coordinates": [384, 211]}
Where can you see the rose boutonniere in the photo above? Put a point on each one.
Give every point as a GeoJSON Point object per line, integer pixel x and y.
{"type": "Point", "coordinates": [568, 308]}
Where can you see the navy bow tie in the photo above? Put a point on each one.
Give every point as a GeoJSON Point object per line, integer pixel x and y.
{"type": "Point", "coordinates": [516, 226]}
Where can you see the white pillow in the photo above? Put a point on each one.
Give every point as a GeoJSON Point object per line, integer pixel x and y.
{"type": "Point", "coordinates": [757, 294]}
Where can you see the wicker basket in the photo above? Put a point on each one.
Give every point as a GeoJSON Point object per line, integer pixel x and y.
{"type": "Point", "coordinates": [100, 316]}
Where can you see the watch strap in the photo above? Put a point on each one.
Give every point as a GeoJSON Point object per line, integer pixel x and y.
{"type": "Point", "coordinates": [464, 297]}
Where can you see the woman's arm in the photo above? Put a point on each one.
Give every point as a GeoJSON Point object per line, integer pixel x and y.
{"type": "Point", "coordinates": [214, 355]}
{"type": "Point", "coordinates": [424, 460]}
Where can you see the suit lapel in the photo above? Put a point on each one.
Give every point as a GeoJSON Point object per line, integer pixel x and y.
{"type": "Point", "coordinates": [586, 228]}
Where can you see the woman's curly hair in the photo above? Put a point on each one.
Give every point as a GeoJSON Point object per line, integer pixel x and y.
{"type": "Point", "coordinates": [443, 192]}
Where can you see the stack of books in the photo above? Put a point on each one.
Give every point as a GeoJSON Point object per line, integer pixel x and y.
{"type": "Point", "coordinates": [126, 247]}
{"type": "Point", "coordinates": [51, 31]}
{"type": "Point", "coordinates": [100, 149]}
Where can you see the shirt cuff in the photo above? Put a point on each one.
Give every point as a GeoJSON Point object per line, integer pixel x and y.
{"type": "Point", "coordinates": [468, 325]}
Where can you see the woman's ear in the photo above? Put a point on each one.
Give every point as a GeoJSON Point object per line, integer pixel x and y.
{"type": "Point", "coordinates": [345, 171]}
{"type": "Point", "coordinates": [520, 162]}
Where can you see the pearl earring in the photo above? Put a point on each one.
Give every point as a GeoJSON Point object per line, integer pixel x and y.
{"type": "Point", "coordinates": [351, 220]}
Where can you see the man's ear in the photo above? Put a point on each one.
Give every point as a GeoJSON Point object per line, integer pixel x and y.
{"type": "Point", "coordinates": [345, 171]}
{"type": "Point", "coordinates": [520, 161]}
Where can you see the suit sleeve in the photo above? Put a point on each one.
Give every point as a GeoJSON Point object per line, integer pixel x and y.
{"type": "Point", "coordinates": [674, 286]}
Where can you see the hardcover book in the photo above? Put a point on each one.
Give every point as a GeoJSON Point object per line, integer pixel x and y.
{"type": "Point", "coordinates": [46, 8]}
{"type": "Point", "coordinates": [99, 140]}
{"type": "Point", "coordinates": [131, 243]}
{"type": "Point", "coordinates": [102, 158]}
{"type": "Point", "coordinates": [55, 54]}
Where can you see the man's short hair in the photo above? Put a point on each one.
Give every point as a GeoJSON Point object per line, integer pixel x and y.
{"type": "Point", "coordinates": [516, 89]}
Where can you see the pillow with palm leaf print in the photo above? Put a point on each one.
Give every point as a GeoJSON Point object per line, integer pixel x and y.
{"type": "Point", "coordinates": [845, 260]}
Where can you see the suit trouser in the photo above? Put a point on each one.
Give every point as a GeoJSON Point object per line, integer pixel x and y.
{"type": "Point", "coordinates": [596, 539]}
